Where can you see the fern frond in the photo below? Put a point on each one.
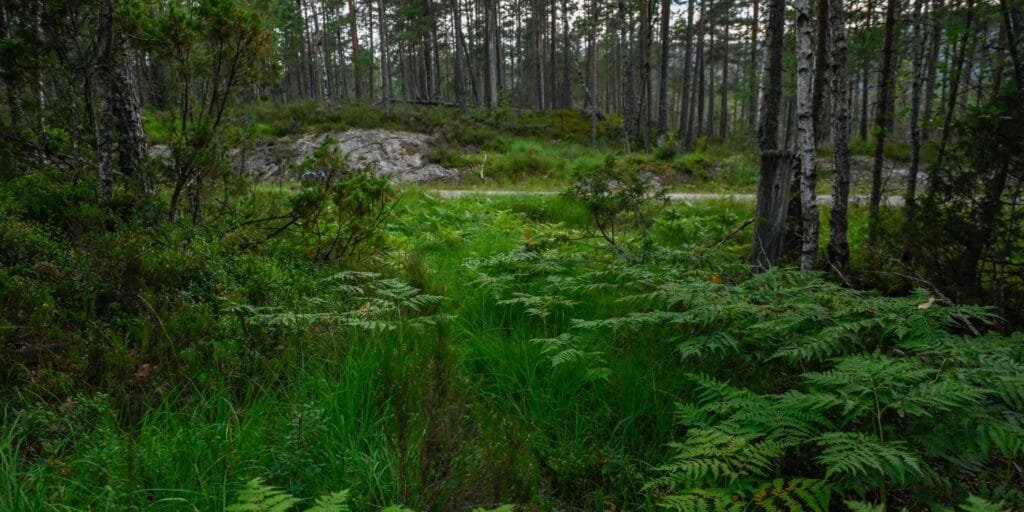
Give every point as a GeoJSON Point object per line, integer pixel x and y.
{"type": "Point", "coordinates": [854, 455]}
{"type": "Point", "coordinates": [259, 497]}
{"type": "Point", "coordinates": [794, 495]}
{"type": "Point", "coordinates": [976, 504]}
{"type": "Point", "coordinates": [334, 502]}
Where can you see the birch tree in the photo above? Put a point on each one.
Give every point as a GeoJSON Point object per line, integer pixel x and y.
{"type": "Point", "coordinates": [805, 136]}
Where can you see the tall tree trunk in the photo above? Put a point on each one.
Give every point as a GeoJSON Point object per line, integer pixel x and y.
{"type": "Point", "coordinates": [666, 11]}
{"type": "Point", "coordinates": [885, 80]}
{"type": "Point", "coordinates": [592, 37]}
{"type": "Point", "coordinates": [354, 35]}
{"type": "Point", "coordinates": [645, 72]}
{"type": "Point", "coordinates": [776, 171]}
{"type": "Point", "coordinates": [121, 131]}
{"type": "Point", "coordinates": [553, 92]}
{"type": "Point", "coordinates": [685, 113]}
{"type": "Point", "coordinates": [327, 56]}
{"type": "Point", "coordinates": [460, 81]}
{"type": "Point", "coordinates": [723, 127]}
{"type": "Point", "coordinates": [12, 75]}
{"type": "Point", "coordinates": [755, 97]}
{"type": "Point", "coordinates": [910, 197]}
{"type": "Point", "coordinates": [805, 136]}
{"type": "Point", "coordinates": [490, 41]}
{"type": "Point", "coordinates": [566, 56]}
{"type": "Point", "coordinates": [701, 27]}
{"type": "Point", "coordinates": [935, 23]}
{"type": "Point", "coordinates": [819, 105]}
{"type": "Point", "coordinates": [710, 128]}
{"type": "Point", "coordinates": [838, 246]}
{"type": "Point", "coordinates": [629, 100]}
{"type": "Point", "coordinates": [954, 88]}
{"type": "Point", "coordinates": [1011, 31]}
{"type": "Point", "coordinates": [385, 60]}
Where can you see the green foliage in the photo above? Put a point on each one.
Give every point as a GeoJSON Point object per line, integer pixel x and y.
{"type": "Point", "coordinates": [618, 201]}
{"type": "Point", "coordinates": [339, 212]}
{"type": "Point", "coordinates": [259, 497]}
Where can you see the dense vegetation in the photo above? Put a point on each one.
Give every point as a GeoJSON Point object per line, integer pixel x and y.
{"type": "Point", "coordinates": [180, 333]}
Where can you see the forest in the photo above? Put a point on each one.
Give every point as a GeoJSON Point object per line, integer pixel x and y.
{"type": "Point", "coordinates": [511, 255]}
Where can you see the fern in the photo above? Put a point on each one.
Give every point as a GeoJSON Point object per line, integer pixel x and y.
{"type": "Point", "coordinates": [793, 495]}
{"type": "Point", "coordinates": [259, 497]}
{"type": "Point", "coordinates": [853, 455]}
{"type": "Point", "coordinates": [976, 504]}
{"type": "Point", "coordinates": [334, 502]}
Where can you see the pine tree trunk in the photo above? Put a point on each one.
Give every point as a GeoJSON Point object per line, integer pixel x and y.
{"type": "Point", "coordinates": [666, 11]}
{"type": "Point", "coordinates": [1011, 31]}
{"type": "Point", "coordinates": [629, 100]}
{"type": "Point", "coordinates": [645, 72]}
{"type": "Point", "coordinates": [492, 52]}
{"type": "Point", "coordinates": [709, 129]}
{"type": "Point", "coordinates": [954, 88]}
{"type": "Point", "coordinates": [553, 92]}
{"type": "Point", "coordinates": [723, 127]}
{"type": "Point", "coordinates": [685, 113]}
{"type": "Point", "coordinates": [805, 136]}
{"type": "Point", "coordinates": [354, 35]}
{"type": "Point", "coordinates": [699, 96]}
{"type": "Point", "coordinates": [885, 80]}
{"type": "Point", "coordinates": [566, 54]}
{"type": "Point", "coordinates": [838, 246]}
{"type": "Point", "coordinates": [915, 128]}
{"type": "Point", "coordinates": [934, 20]}
{"type": "Point", "coordinates": [385, 60]}
{"type": "Point", "coordinates": [776, 170]}
{"type": "Point", "coordinates": [460, 81]}
{"type": "Point", "coordinates": [755, 97]}
{"type": "Point", "coordinates": [592, 36]}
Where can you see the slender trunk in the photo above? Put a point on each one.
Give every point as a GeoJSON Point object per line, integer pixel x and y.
{"type": "Point", "coordinates": [701, 26]}
{"type": "Point", "coordinates": [627, 62]}
{"type": "Point", "coordinates": [723, 127]}
{"type": "Point", "coordinates": [460, 82]}
{"type": "Point", "coordinates": [566, 54]}
{"type": "Point", "coordinates": [819, 105]}
{"type": "Point", "coordinates": [666, 11]}
{"type": "Point", "coordinates": [1011, 31]}
{"type": "Point", "coordinates": [881, 121]}
{"type": "Point", "coordinates": [935, 22]}
{"type": "Point", "coordinates": [385, 60]}
{"type": "Point", "coordinates": [776, 171]}
{"type": "Point", "coordinates": [710, 128]}
{"type": "Point", "coordinates": [838, 247]}
{"type": "Point", "coordinates": [755, 97]}
{"type": "Point", "coordinates": [12, 76]}
{"type": "Point", "coordinates": [553, 93]}
{"type": "Point", "coordinates": [491, 14]}
{"type": "Point", "coordinates": [915, 129]}
{"type": "Point", "coordinates": [645, 72]}
{"type": "Point", "coordinates": [354, 34]}
{"type": "Point", "coordinates": [685, 135]}
{"type": "Point", "coordinates": [805, 136]}
{"type": "Point", "coordinates": [954, 88]}
{"type": "Point", "coordinates": [592, 36]}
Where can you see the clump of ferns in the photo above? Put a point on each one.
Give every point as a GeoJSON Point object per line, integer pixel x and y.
{"type": "Point", "coordinates": [359, 300]}
{"type": "Point", "coordinates": [258, 496]}
{"type": "Point", "coordinates": [925, 429]}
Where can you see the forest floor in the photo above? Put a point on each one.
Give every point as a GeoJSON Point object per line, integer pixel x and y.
{"type": "Point", "coordinates": [488, 344]}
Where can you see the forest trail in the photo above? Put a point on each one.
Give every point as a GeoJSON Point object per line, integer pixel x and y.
{"type": "Point", "coordinates": [823, 199]}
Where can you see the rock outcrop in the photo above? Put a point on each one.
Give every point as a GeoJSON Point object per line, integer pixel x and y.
{"type": "Point", "coordinates": [400, 156]}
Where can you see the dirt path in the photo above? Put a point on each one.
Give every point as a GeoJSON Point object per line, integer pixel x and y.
{"type": "Point", "coordinates": [823, 199]}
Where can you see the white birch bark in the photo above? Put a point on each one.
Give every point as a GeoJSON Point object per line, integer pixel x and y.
{"type": "Point", "coordinates": [805, 135]}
